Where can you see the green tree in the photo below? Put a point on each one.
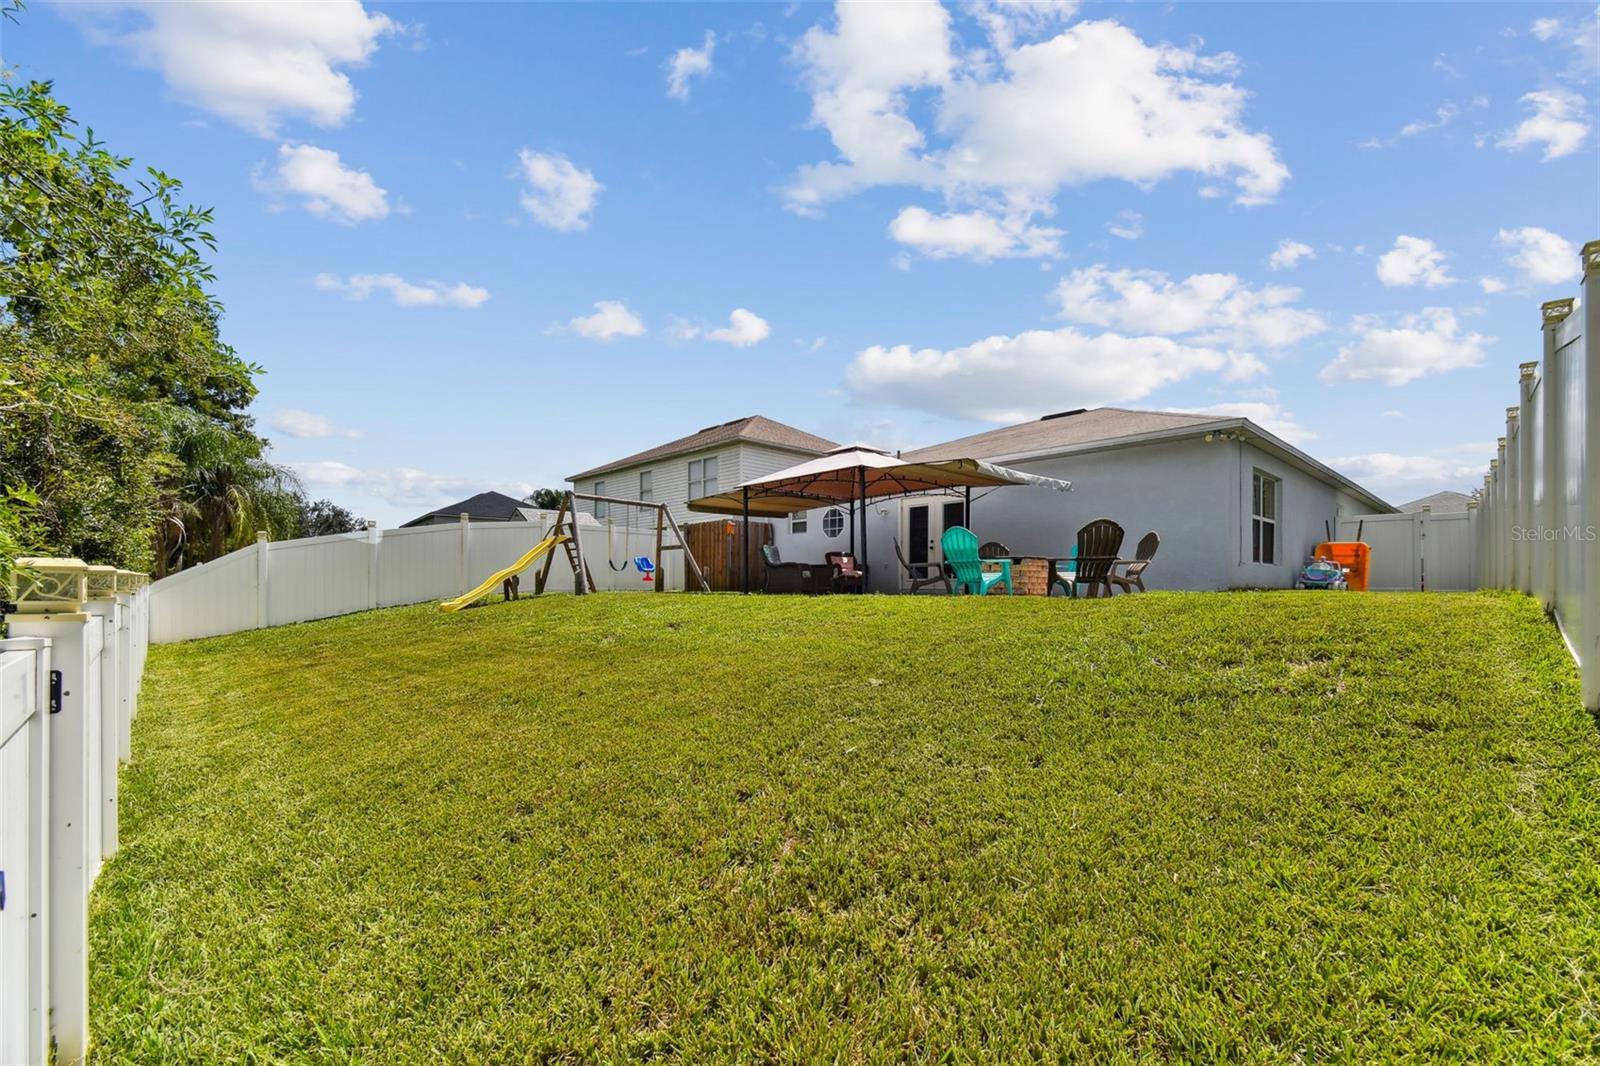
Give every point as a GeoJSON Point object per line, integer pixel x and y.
{"type": "Point", "coordinates": [122, 411]}
{"type": "Point", "coordinates": [319, 518]}
{"type": "Point", "coordinates": [545, 499]}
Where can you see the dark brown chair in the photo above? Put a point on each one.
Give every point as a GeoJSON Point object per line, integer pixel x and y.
{"type": "Point", "coordinates": [1098, 545]}
{"type": "Point", "coordinates": [932, 573]}
{"type": "Point", "coordinates": [1133, 576]}
{"type": "Point", "coordinates": [993, 549]}
{"type": "Point", "coordinates": [785, 577]}
{"type": "Point", "coordinates": [848, 575]}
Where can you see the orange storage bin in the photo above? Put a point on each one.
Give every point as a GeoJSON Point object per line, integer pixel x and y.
{"type": "Point", "coordinates": [1354, 555]}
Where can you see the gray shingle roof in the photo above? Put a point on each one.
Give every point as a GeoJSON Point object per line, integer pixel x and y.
{"type": "Point", "coordinates": [755, 430]}
{"type": "Point", "coordinates": [1064, 430]}
{"type": "Point", "coordinates": [1443, 502]}
{"type": "Point", "coordinates": [485, 506]}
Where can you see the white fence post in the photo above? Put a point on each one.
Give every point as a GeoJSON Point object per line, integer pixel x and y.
{"type": "Point", "coordinates": [372, 565]}
{"type": "Point", "coordinates": [25, 849]}
{"type": "Point", "coordinates": [261, 580]}
{"type": "Point", "coordinates": [102, 606]}
{"type": "Point", "coordinates": [1527, 517]}
{"type": "Point", "coordinates": [1513, 492]}
{"type": "Point", "coordinates": [71, 636]}
{"type": "Point", "coordinates": [1552, 386]}
{"type": "Point", "coordinates": [1590, 613]}
{"type": "Point", "coordinates": [466, 545]}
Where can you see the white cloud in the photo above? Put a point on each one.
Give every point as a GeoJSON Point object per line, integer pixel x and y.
{"type": "Point", "coordinates": [255, 64]}
{"type": "Point", "coordinates": [1430, 342]}
{"type": "Point", "coordinates": [1015, 125]}
{"type": "Point", "coordinates": [1270, 416]}
{"type": "Point", "coordinates": [611, 318]}
{"type": "Point", "coordinates": [1491, 284]}
{"type": "Point", "coordinates": [1214, 308]}
{"type": "Point", "coordinates": [325, 186]}
{"type": "Point", "coordinates": [1287, 255]}
{"type": "Point", "coordinates": [558, 194]}
{"type": "Point", "coordinates": [1389, 474]}
{"type": "Point", "coordinates": [1012, 378]}
{"type": "Point", "coordinates": [399, 485]}
{"type": "Point", "coordinates": [405, 293]}
{"type": "Point", "coordinates": [303, 425]}
{"type": "Point", "coordinates": [744, 328]}
{"type": "Point", "coordinates": [687, 63]}
{"type": "Point", "coordinates": [1541, 257]}
{"type": "Point", "coordinates": [1413, 261]}
{"type": "Point", "coordinates": [1129, 225]}
{"type": "Point", "coordinates": [1581, 37]}
{"type": "Point", "coordinates": [1560, 122]}
{"type": "Point", "coordinates": [1004, 21]}
{"type": "Point", "coordinates": [973, 234]}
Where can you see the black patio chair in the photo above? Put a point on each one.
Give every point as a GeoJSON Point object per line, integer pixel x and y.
{"type": "Point", "coordinates": [785, 577]}
{"type": "Point", "coordinates": [1133, 576]}
{"type": "Point", "coordinates": [932, 573]}
{"type": "Point", "coordinates": [1098, 545]}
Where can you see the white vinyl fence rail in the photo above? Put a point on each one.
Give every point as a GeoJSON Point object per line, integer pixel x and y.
{"type": "Point", "coordinates": [69, 686]}
{"type": "Point", "coordinates": [1536, 520]}
{"type": "Point", "coordinates": [274, 583]}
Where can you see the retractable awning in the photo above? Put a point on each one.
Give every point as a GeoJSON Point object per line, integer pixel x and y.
{"type": "Point", "coordinates": [853, 476]}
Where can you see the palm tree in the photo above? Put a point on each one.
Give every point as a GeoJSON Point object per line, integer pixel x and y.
{"type": "Point", "coordinates": [222, 491]}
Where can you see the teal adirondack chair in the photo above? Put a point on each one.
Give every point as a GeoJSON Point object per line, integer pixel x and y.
{"type": "Point", "coordinates": [960, 547]}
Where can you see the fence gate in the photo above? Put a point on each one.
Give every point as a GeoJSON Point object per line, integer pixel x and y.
{"type": "Point", "coordinates": [1416, 551]}
{"type": "Point", "coordinates": [719, 549]}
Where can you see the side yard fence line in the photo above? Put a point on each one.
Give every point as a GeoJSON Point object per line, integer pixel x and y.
{"type": "Point", "coordinates": [1535, 521]}
{"type": "Point", "coordinates": [69, 686]}
{"type": "Point", "coordinates": [274, 583]}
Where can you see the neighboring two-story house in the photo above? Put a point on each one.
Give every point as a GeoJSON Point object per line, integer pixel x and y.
{"type": "Point", "coordinates": [701, 464]}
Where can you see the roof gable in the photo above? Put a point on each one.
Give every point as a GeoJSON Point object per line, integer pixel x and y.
{"type": "Point", "coordinates": [752, 430]}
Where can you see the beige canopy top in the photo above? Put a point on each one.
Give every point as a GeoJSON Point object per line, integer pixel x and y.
{"type": "Point", "coordinates": [853, 474]}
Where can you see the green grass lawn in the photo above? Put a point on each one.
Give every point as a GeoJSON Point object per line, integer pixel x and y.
{"type": "Point", "coordinates": [1249, 826]}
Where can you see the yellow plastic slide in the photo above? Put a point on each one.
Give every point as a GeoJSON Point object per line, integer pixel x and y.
{"type": "Point", "coordinates": [492, 582]}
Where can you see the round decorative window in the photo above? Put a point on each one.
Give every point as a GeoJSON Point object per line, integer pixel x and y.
{"type": "Point", "coordinates": [832, 522]}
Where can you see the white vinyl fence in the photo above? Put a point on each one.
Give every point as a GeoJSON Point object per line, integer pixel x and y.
{"type": "Point", "coordinates": [1416, 551]}
{"type": "Point", "coordinates": [1536, 520]}
{"type": "Point", "coordinates": [69, 683]}
{"type": "Point", "coordinates": [273, 583]}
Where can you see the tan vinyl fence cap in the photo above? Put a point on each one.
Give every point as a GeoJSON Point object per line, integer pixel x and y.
{"type": "Point", "coordinates": [49, 586]}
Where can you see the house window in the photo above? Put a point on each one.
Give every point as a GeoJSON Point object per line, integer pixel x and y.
{"type": "Point", "coordinates": [647, 492]}
{"type": "Point", "coordinates": [832, 522]}
{"type": "Point", "coordinates": [702, 477]}
{"type": "Point", "coordinates": [799, 522]}
{"type": "Point", "coordinates": [1264, 492]}
{"type": "Point", "coordinates": [599, 507]}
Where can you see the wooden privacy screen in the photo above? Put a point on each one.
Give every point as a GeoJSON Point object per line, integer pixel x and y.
{"type": "Point", "coordinates": [719, 550]}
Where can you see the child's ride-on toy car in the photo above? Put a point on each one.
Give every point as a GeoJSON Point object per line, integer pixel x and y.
{"type": "Point", "coordinates": [1320, 574]}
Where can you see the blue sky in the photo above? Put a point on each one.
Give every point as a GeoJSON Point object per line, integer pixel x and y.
{"type": "Point", "coordinates": [487, 245]}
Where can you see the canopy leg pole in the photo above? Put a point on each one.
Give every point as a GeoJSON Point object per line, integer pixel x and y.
{"type": "Point", "coordinates": [862, 475]}
{"type": "Point", "coordinates": [967, 508]}
{"type": "Point", "coordinates": [745, 493]}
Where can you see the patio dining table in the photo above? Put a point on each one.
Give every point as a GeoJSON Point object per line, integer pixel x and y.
{"type": "Point", "coordinates": [1031, 574]}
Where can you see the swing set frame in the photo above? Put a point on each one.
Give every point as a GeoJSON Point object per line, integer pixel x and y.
{"type": "Point", "coordinates": [566, 523]}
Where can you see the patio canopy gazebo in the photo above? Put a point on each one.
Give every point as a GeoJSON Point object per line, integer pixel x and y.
{"type": "Point", "coordinates": [853, 476]}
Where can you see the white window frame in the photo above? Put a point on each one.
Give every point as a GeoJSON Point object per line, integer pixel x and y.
{"type": "Point", "coordinates": [702, 483]}
{"type": "Point", "coordinates": [599, 505]}
{"type": "Point", "coordinates": [829, 514]}
{"type": "Point", "coordinates": [799, 522]}
{"type": "Point", "coordinates": [1265, 517]}
{"type": "Point", "coordinates": [647, 486]}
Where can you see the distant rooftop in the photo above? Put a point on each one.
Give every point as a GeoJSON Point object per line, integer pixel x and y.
{"type": "Point", "coordinates": [1440, 502]}
{"type": "Point", "coordinates": [484, 507]}
{"type": "Point", "coordinates": [754, 429]}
